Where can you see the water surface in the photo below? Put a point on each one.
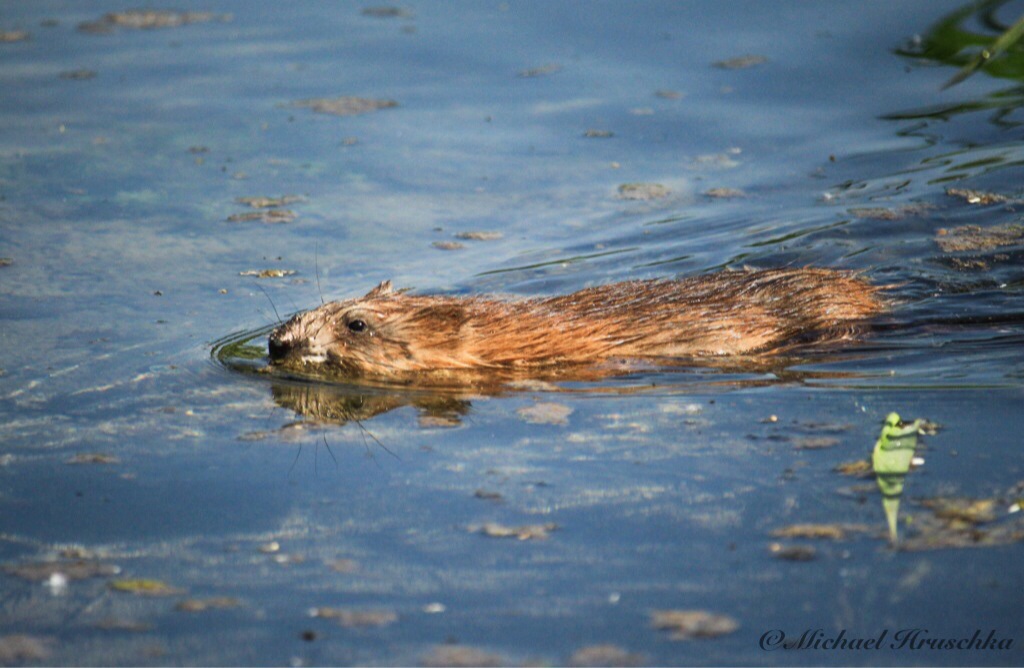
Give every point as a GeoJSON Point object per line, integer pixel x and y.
{"type": "Point", "coordinates": [665, 485]}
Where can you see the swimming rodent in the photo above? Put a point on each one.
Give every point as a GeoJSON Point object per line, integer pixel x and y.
{"type": "Point", "coordinates": [390, 334]}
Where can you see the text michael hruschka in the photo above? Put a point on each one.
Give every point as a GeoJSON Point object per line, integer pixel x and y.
{"type": "Point", "coordinates": [902, 639]}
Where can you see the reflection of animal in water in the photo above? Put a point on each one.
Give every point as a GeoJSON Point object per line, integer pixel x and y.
{"type": "Point", "coordinates": [388, 334]}
{"type": "Point", "coordinates": [324, 404]}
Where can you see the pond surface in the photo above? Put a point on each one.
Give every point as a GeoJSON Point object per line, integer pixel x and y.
{"type": "Point", "coordinates": [161, 505]}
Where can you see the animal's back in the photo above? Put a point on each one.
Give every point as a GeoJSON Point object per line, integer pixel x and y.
{"type": "Point", "coordinates": [726, 313]}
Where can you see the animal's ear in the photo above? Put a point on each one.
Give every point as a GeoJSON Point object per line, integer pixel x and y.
{"type": "Point", "coordinates": [382, 290]}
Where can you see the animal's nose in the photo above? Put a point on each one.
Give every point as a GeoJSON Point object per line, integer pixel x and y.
{"type": "Point", "coordinates": [277, 348]}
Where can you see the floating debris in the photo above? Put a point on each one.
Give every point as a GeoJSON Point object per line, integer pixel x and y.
{"type": "Point", "coordinates": [740, 62]}
{"type": "Point", "coordinates": [269, 202]}
{"type": "Point", "coordinates": [978, 196]}
{"type": "Point", "coordinates": [18, 648]}
{"type": "Point", "coordinates": [605, 656]}
{"type": "Point", "coordinates": [345, 105]}
{"type": "Point", "coordinates": [724, 193]}
{"type": "Point", "coordinates": [387, 12]}
{"type": "Point", "coordinates": [815, 443]}
{"type": "Point", "coordinates": [966, 263]}
{"type": "Point", "coordinates": [542, 71]}
{"type": "Point", "coordinates": [524, 532]}
{"type": "Point", "coordinates": [793, 552]}
{"type": "Point", "coordinates": [895, 213]}
{"type": "Point", "coordinates": [122, 624]}
{"type": "Point", "coordinates": [92, 458]}
{"type": "Point", "coordinates": [860, 468]}
{"type": "Point", "coordinates": [689, 409]}
{"type": "Point", "coordinates": [356, 618]}
{"type": "Point", "coordinates": [343, 565]}
{"type": "Point", "coordinates": [690, 624]}
{"type": "Point", "coordinates": [599, 134]}
{"type": "Point", "coordinates": [77, 75]}
{"type": "Point", "coordinates": [264, 216]}
{"type": "Point", "coordinates": [80, 569]}
{"type": "Point", "coordinates": [962, 523]}
{"type": "Point", "coordinates": [6, 261]}
{"type": "Point", "coordinates": [969, 511]}
{"type": "Point", "coordinates": [268, 273]}
{"type": "Point", "coordinates": [723, 160]}
{"type": "Point", "coordinates": [668, 94]}
{"type": "Point", "coordinates": [204, 604]}
{"type": "Point", "coordinates": [829, 531]}
{"type": "Point", "coordinates": [460, 656]}
{"type": "Point", "coordinates": [975, 237]}
{"type": "Point", "coordinates": [824, 427]}
{"type": "Point", "coordinates": [546, 412]}
{"type": "Point", "coordinates": [488, 495]}
{"type": "Point", "coordinates": [288, 559]}
{"type": "Point", "coordinates": [643, 191]}
{"type": "Point", "coordinates": [148, 19]}
{"type": "Point", "coordinates": [144, 587]}
{"type": "Point", "coordinates": [270, 548]}
{"type": "Point", "coordinates": [479, 236]}
{"type": "Point", "coordinates": [11, 36]}
{"type": "Point", "coordinates": [448, 245]}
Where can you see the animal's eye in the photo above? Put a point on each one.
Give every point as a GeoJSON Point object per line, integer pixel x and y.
{"type": "Point", "coordinates": [357, 325]}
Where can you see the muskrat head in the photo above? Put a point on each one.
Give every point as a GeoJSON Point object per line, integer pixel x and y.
{"type": "Point", "coordinates": [383, 333]}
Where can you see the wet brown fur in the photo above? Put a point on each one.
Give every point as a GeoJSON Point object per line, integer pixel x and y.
{"type": "Point", "coordinates": [726, 313]}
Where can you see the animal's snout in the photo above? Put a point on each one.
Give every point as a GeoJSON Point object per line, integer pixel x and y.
{"type": "Point", "coordinates": [277, 348]}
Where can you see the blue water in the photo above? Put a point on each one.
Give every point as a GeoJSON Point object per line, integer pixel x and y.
{"type": "Point", "coordinates": [665, 485]}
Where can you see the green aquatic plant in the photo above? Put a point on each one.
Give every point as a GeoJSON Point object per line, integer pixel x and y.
{"type": "Point", "coordinates": [891, 460]}
{"type": "Point", "coordinates": [144, 587]}
{"type": "Point", "coordinates": [951, 42]}
{"type": "Point", "coordinates": [1001, 44]}
{"type": "Point", "coordinates": [245, 352]}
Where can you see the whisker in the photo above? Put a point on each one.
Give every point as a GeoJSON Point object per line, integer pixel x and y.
{"type": "Point", "coordinates": [328, 446]}
{"type": "Point", "coordinates": [266, 316]}
{"type": "Point", "coordinates": [295, 461]}
{"type": "Point", "coordinates": [364, 432]}
{"type": "Point", "coordinates": [369, 433]}
{"type": "Point", "coordinates": [369, 453]}
{"type": "Point", "coordinates": [350, 416]}
{"type": "Point", "coordinates": [267, 295]}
